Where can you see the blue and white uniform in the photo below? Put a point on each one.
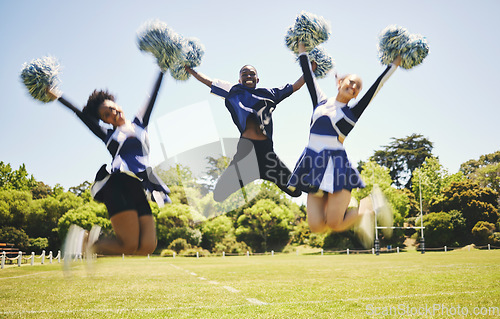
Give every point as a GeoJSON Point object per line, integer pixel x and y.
{"type": "Point", "coordinates": [323, 164]}
{"type": "Point", "coordinates": [128, 144]}
{"type": "Point", "coordinates": [254, 159]}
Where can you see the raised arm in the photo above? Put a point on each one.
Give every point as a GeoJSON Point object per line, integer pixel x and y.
{"type": "Point", "coordinates": [91, 123]}
{"type": "Point", "coordinates": [200, 76]}
{"type": "Point", "coordinates": [145, 113]}
{"type": "Point", "coordinates": [317, 95]}
{"type": "Point", "coordinates": [359, 107]}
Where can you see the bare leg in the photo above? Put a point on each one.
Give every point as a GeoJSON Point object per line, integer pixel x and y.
{"type": "Point", "coordinates": [127, 229]}
{"type": "Point", "coordinates": [147, 233]}
{"type": "Point", "coordinates": [337, 218]}
{"type": "Point", "coordinates": [316, 212]}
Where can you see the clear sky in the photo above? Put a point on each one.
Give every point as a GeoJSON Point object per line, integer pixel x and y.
{"type": "Point", "coordinates": [450, 98]}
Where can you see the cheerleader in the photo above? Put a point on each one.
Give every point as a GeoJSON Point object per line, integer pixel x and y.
{"type": "Point", "coordinates": [323, 170]}
{"type": "Point", "coordinates": [122, 189]}
{"type": "Point", "coordinates": [251, 109]}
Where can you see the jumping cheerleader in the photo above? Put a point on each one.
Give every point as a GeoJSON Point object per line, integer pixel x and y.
{"type": "Point", "coordinates": [123, 189]}
{"type": "Point", "coordinates": [251, 109]}
{"type": "Point", "coordinates": [324, 171]}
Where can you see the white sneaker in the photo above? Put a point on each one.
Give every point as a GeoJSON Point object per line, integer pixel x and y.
{"type": "Point", "coordinates": [365, 230]}
{"type": "Point", "coordinates": [382, 210]}
{"type": "Point", "coordinates": [73, 245]}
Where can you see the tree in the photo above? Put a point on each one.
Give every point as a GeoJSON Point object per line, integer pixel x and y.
{"type": "Point", "coordinates": [215, 231]}
{"type": "Point", "coordinates": [265, 225]}
{"type": "Point", "coordinates": [443, 229]}
{"type": "Point", "coordinates": [14, 207]}
{"type": "Point", "coordinates": [215, 168]}
{"type": "Point", "coordinates": [178, 221]}
{"type": "Point", "coordinates": [474, 202]}
{"type": "Point", "coordinates": [402, 156]}
{"type": "Point", "coordinates": [14, 236]}
{"type": "Point", "coordinates": [431, 178]}
{"type": "Point", "coordinates": [84, 216]}
{"type": "Point", "coordinates": [483, 232]}
{"type": "Point", "coordinates": [15, 179]}
{"type": "Point", "coordinates": [485, 171]}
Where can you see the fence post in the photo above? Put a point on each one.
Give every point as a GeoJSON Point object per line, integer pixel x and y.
{"type": "Point", "coordinates": [58, 256]}
{"type": "Point", "coordinates": [197, 254]}
{"type": "Point", "coordinates": [489, 246]}
{"type": "Point", "coordinates": [173, 254]}
{"type": "Point", "coordinates": [445, 249]}
{"type": "Point", "coordinates": [223, 254]}
{"type": "Point", "coordinates": [19, 259]}
{"type": "Point", "coordinates": [50, 257]}
{"type": "Point", "coordinates": [272, 252]}
{"type": "Point", "coordinates": [123, 256]}
{"type": "Point", "coordinates": [43, 256]}
{"type": "Point", "coordinates": [321, 251]}
{"type": "Point", "coordinates": [397, 249]}
{"type": "Point", "coordinates": [348, 251]}
{"type": "Point", "coordinates": [248, 253]}
{"type": "Point", "coordinates": [32, 258]}
{"type": "Point", "coordinates": [373, 251]}
{"type": "Point", "coordinates": [3, 259]}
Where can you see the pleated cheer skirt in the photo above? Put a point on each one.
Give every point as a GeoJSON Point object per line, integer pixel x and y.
{"type": "Point", "coordinates": [327, 170]}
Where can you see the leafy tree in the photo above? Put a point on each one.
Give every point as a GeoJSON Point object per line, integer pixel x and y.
{"type": "Point", "coordinates": [431, 178]}
{"type": "Point", "coordinates": [215, 168]}
{"type": "Point", "coordinates": [402, 156]}
{"type": "Point", "coordinates": [483, 232]}
{"type": "Point", "coordinates": [12, 235]}
{"type": "Point", "coordinates": [41, 190]}
{"type": "Point", "coordinates": [84, 216]}
{"type": "Point", "coordinates": [265, 225]}
{"type": "Point", "coordinates": [178, 221]}
{"type": "Point", "coordinates": [474, 202]}
{"type": "Point", "coordinates": [15, 179]}
{"type": "Point", "coordinates": [82, 190]}
{"type": "Point", "coordinates": [215, 231]}
{"type": "Point", "coordinates": [440, 229]}
{"type": "Point", "coordinates": [38, 244]}
{"type": "Point", "coordinates": [14, 207]}
{"type": "Point", "coordinates": [471, 166]}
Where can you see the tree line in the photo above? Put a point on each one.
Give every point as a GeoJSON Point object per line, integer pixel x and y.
{"type": "Point", "coordinates": [458, 209]}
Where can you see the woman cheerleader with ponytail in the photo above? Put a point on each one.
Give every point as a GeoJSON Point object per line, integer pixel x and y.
{"type": "Point", "coordinates": [323, 170]}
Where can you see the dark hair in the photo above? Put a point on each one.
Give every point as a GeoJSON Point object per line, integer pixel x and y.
{"type": "Point", "coordinates": [249, 66]}
{"type": "Point", "coordinates": [95, 101]}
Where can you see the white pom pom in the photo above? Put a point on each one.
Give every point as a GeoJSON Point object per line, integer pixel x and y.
{"type": "Point", "coordinates": [39, 76]}
{"type": "Point", "coordinates": [310, 29]}
{"type": "Point", "coordinates": [395, 40]}
{"type": "Point", "coordinates": [391, 41]}
{"type": "Point", "coordinates": [192, 53]}
{"type": "Point", "coordinates": [414, 52]}
{"type": "Point", "coordinates": [324, 62]}
{"type": "Point", "coordinates": [158, 39]}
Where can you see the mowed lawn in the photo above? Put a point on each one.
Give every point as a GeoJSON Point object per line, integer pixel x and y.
{"type": "Point", "coordinates": [405, 285]}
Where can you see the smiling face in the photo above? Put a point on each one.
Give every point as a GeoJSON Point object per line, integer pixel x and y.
{"type": "Point", "coordinates": [248, 76]}
{"type": "Point", "coordinates": [349, 88]}
{"type": "Point", "coordinates": [111, 113]}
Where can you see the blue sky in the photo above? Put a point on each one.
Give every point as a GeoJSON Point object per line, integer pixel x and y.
{"type": "Point", "coordinates": [450, 98]}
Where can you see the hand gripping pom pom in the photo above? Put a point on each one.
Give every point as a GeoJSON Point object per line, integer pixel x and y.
{"type": "Point", "coordinates": [192, 53]}
{"type": "Point", "coordinates": [310, 29]}
{"type": "Point", "coordinates": [39, 76]}
{"type": "Point", "coordinates": [158, 39]}
{"type": "Point", "coordinates": [324, 62]}
{"type": "Point", "coordinates": [415, 52]}
{"type": "Point", "coordinates": [391, 41]}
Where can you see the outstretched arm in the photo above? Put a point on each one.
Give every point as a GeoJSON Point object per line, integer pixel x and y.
{"type": "Point", "coordinates": [317, 95]}
{"type": "Point", "coordinates": [145, 113]}
{"type": "Point", "coordinates": [359, 107]}
{"type": "Point", "coordinates": [199, 76]}
{"type": "Point", "coordinates": [91, 123]}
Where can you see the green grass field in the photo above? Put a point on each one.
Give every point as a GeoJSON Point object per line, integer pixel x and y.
{"type": "Point", "coordinates": [407, 285]}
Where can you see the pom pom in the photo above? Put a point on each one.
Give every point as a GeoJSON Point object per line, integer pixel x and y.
{"type": "Point", "coordinates": [391, 42]}
{"type": "Point", "coordinates": [39, 76]}
{"type": "Point", "coordinates": [324, 62]}
{"type": "Point", "coordinates": [310, 29]}
{"type": "Point", "coordinates": [415, 51]}
{"type": "Point", "coordinates": [192, 52]}
{"type": "Point", "coordinates": [158, 39]}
